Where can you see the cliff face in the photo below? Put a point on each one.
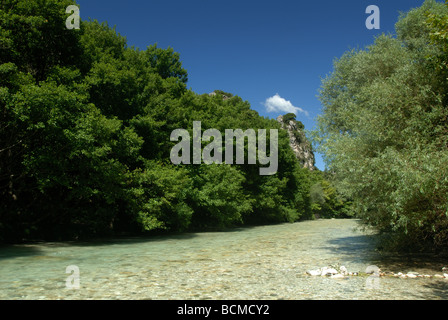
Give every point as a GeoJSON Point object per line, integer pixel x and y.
{"type": "Point", "coordinates": [298, 142]}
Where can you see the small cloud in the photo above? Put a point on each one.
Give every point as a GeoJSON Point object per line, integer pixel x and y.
{"type": "Point", "coordinates": [279, 104]}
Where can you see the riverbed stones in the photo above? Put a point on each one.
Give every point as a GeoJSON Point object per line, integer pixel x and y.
{"type": "Point", "coordinates": [163, 265]}
{"type": "Point", "coordinates": [316, 272]}
{"type": "Point", "coordinates": [343, 273]}
{"type": "Point", "coordinates": [328, 271]}
{"type": "Point", "coordinates": [338, 276]}
{"type": "Point", "coordinates": [343, 270]}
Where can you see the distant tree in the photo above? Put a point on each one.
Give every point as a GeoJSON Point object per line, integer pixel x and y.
{"type": "Point", "coordinates": [223, 93]}
{"type": "Point", "coordinates": [288, 117]}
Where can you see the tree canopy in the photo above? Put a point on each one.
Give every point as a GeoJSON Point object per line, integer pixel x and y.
{"type": "Point", "coordinates": [85, 123]}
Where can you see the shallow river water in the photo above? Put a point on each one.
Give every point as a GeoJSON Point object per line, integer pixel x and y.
{"type": "Point", "coordinates": [263, 262]}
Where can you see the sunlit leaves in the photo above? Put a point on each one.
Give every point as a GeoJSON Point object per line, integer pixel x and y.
{"type": "Point", "coordinates": [383, 130]}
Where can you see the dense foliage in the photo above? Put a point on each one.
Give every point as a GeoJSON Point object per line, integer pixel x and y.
{"type": "Point", "coordinates": [384, 129]}
{"type": "Point", "coordinates": [85, 125]}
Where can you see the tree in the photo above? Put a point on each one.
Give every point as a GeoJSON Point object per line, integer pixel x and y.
{"type": "Point", "coordinates": [34, 36]}
{"type": "Point", "coordinates": [85, 123]}
{"type": "Point", "coordinates": [383, 132]}
{"type": "Point", "coordinates": [166, 62]}
{"type": "Point", "coordinates": [438, 26]}
{"type": "Point", "coordinates": [288, 117]}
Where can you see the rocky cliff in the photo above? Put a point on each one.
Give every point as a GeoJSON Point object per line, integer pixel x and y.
{"type": "Point", "coordinates": [298, 141]}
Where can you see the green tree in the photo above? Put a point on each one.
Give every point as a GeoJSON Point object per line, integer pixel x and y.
{"type": "Point", "coordinates": [34, 36]}
{"type": "Point", "coordinates": [288, 117]}
{"type": "Point", "coordinates": [438, 26]}
{"type": "Point", "coordinates": [159, 195]}
{"type": "Point", "coordinates": [383, 132]}
{"type": "Point", "coordinates": [85, 123]}
{"type": "Point", "coordinates": [217, 196]}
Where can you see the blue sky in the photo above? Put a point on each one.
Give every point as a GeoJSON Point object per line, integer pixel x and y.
{"type": "Point", "coordinates": [255, 49]}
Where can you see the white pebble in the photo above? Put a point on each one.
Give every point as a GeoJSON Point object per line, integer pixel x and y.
{"type": "Point", "coordinates": [328, 271]}
{"type": "Point", "coordinates": [316, 272]}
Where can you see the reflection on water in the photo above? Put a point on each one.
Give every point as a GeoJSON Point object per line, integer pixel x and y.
{"type": "Point", "coordinates": [265, 262]}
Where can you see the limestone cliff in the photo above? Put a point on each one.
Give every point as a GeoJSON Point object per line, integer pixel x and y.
{"type": "Point", "coordinates": [298, 141]}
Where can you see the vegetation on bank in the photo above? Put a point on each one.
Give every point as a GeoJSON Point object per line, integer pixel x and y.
{"type": "Point", "coordinates": [85, 124]}
{"type": "Point", "coordinates": [384, 129]}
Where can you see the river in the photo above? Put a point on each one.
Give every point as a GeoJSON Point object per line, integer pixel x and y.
{"type": "Point", "coordinates": [262, 262]}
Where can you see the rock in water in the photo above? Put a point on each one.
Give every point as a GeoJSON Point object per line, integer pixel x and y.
{"type": "Point", "coordinates": [328, 271]}
{"type": "Point", "coordinates": [343, 270]}
{"type": "Point", "coordinates": [316, 272]}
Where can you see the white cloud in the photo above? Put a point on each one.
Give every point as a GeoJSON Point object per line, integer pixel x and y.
{"type": "Point", "coordinates": [279, 104]}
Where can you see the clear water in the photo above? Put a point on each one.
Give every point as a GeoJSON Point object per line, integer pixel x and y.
{"type": "Point", "coordinates": [264, 262]}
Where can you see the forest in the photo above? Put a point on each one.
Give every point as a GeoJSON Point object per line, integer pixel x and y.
{"type": "Point", "coordinates": [85, 124]}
